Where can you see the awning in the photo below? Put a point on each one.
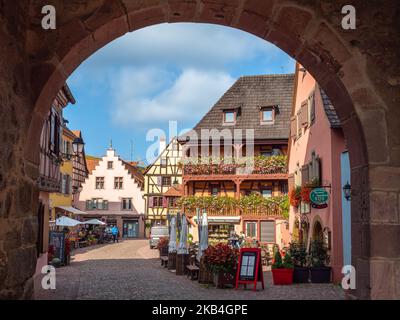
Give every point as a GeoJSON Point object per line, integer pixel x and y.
{"type": "Point", "coordinates": [71, 209]}
{"type": "Point", "coordinates": [223, 219]}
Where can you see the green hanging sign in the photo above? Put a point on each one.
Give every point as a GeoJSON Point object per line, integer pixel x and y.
{"type": "Point", "coordinates": [319, 196]}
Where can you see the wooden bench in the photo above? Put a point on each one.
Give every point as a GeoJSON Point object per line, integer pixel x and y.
{"type": "Point", "coordinates": [164, 261]}
{"type": "Point", "coordinates": [192, 272]}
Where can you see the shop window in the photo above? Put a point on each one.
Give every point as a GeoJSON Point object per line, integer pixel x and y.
{"type": "Point", "coordinates": [251, 229]}
{"type": "Point", "coordinates": [214, 190]}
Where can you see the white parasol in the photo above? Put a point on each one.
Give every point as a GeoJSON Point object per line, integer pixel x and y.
{"type": "Point", "coordinates": [95, 222]}
{"type": "Point", "coordinates": [67, 222]}
{"type": "Point", "coordinates": [172, 236]}
{"type": "Point", "coordinates": [204, 236]}
{"type": "Point", "coordinates": [183, 247]}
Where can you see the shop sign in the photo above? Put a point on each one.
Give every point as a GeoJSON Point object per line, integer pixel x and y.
{"type": "Point", "coordinates": [249, 269]}
{"type": "Point", "coordinates": [319, 198]}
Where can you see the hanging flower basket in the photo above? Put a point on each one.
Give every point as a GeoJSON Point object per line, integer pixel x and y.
{"type": "Point", "coordinates": [295, 197]}
{"type": "Point", "coordinates": [305, 194]}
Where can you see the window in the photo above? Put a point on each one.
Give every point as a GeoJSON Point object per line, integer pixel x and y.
{"type": "Point", "coordinates": [96, 204]}
{"type": "Point", "coordinates": [251, 229]}
{"type": "Point", "coordinates": [163, 162]}
{"type": "Point", "coordinates": [156, 202]}
{"type": "Point", "coordinates": [110, 164]}
{"type": "Point", "coordinates": [166, 181]}
{"type": "Point", "coordinates": [266, 193]}
{"type": "Point", "coordinates": [118, 183]}
{"type": "Point", "coordinates": [214, 190]}
{"type": "Point", "coordinates": [267, 115]}
{"type": "Point", "coordinates": [127, 204]}
{"type": "Point", "coordinates": [99, 182]}
{"type": "Point", "coordinates": [172, 202]}
{"type": "Point", "coordinates": [66, 185]}
{"type": "Point", "coordinates": [229, 116]}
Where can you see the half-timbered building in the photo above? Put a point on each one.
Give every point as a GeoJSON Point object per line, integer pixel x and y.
{"type": "Point", "coordinates": [50, 158]}
{"type": "Point", "coordinates": [163, 173]}
{"type": "Point", "coordinates": [238, 151]}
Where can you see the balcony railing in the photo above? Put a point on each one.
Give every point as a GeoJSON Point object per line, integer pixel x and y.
{"type": "Point", "coordinates": [252, 205]}
{"type": "Point", "coordinates": [232, 166]}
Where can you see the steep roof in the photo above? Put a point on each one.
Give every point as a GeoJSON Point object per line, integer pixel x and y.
{"type": "Point", "coordinates": [247, 95]}
{"type": "Point", "coordinates": [330, 111]}
{"type": "Point", "coordinates": [133, 171]}
{"type": "Point", "coordinates": [91, 163]}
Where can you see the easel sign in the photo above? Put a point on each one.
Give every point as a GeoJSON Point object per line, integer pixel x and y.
{"type": "Point", "coordinates": [249, 268]}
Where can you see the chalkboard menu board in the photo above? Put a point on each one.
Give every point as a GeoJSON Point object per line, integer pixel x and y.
{"type": "Point", "coordinates": [249, 267]}
{"type": "Point", "coordinates": [57, 240]}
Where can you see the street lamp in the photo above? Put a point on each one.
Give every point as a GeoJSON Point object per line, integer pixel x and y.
{"type": "Point", "coordinates": [347, 191]}
{"type": "Point", "coordinates": [78, 145]}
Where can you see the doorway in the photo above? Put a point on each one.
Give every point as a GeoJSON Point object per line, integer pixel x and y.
{"type": "Point", "coordinates": [130, 229]}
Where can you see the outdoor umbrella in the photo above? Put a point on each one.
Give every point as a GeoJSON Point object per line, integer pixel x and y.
{"type": "Point", "coordinates": [182, 248]}
{"type": "Point", "coordinates": [198, 223]}
{"type": "Point", "coordinates": [172, 236]}
{"type": "Point", "coordinates": [67, 222]}
{"type": "Point", "coordinates": [95, 222]}
{"type": "Point", "coordinates": [204, 235]}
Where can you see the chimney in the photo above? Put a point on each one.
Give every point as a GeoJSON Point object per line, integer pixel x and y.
{"type": "Point", "coordinates": [162, 146]}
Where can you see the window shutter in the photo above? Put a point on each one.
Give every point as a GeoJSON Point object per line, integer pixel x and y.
{"type": "Point", "coordinates": [293, 128]}
{"type": "Point", "coordinates": [304, 114]}
{"type": "Point", "coordinates": [312, 106]}
{"type": "Point", "coordinates": [318, 170]}
{"type": "Point", "coordinates": [291, 182]}
{"type": "Point", "coordinates": [151, 202]}
{"type": "Point", "coordinates": [165, 202]}
{"type": "Point", "coordinates": [304, 175]}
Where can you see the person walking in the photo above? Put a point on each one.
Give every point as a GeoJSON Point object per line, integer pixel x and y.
{"type": "Point", "coordinates": [115, 233]}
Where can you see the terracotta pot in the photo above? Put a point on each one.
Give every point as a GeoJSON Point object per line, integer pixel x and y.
{"type": "Point", "coordinates": [282, 276]}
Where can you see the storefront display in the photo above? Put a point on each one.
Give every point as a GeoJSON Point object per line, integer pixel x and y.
{"type": "Point", "coordinates": [220, 232]}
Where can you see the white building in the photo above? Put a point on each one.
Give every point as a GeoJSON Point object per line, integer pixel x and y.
{"type": "Point", "coordinates": [113, 192]}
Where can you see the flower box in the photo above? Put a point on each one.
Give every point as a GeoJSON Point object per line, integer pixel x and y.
{"type": "Point", "coordinates": [301, 275]}
{"type": "Point", "coordinates": [321, 274]}
{"type": "Point", "coordinates": [282, 276]}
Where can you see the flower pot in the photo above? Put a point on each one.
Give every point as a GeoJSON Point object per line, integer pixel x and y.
{"type": "Point", "coordinates": [301, 275]}
{"type": "Point", "coordinates": [282, 276]}
{"type": "Point", "coordinates": [182, 260]}
{"type": "Point", "coordinates": [171, 260]}
{"type": "Point", "coordinates": [320, 274]}
{"type": "Point", "coordinates": [222, 279]}
{"type": "Point", "coordinates": [205, 275]}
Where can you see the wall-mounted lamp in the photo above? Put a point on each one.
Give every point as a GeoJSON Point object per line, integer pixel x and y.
{"type": "Point", "coordinates": [78, 145]}
{"type": "Point", "coordinates": [347, 191]}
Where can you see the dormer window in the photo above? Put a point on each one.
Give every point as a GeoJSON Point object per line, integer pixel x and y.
{"type": "Point", "coordinates": [229, 116]}
{"type": "Point", "coordinates": [267, 115]}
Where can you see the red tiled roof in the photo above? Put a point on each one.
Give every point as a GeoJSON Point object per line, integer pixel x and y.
{"type": "Point", "coordinates": [174, 191]}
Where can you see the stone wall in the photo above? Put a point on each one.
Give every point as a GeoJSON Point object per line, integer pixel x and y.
{"type": "Point", "coordinates": [358, 69]}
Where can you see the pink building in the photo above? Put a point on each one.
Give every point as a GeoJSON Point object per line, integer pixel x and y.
{"type": "Point", "coordinates": [315, 151]}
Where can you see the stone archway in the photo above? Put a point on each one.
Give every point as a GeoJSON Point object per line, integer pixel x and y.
{"type": "Point", "coordinates": [317, 233]}
{"type": "Point", "coordinates": [358, 69]}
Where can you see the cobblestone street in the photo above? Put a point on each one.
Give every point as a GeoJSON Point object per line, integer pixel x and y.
{"type": "Point", "coordinates": [130, 270]}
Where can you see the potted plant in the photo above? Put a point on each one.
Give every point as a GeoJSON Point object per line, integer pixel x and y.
{"type": "Point", "coordinates": [222, 260]}
{"type": "Point", "coordinates": [282, 271]}
{"type": "Point", "coordinates": [301, 272]}
{"type": "Point", "coordinates": [295, 196]}
{"type": "Point", "coordinates": [319, 260]}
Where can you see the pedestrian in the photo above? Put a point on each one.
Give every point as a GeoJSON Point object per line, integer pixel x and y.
{"type": "Point", "coordinates": [115, 233]}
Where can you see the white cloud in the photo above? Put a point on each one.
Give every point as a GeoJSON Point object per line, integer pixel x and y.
{"type": "Point", "coordinates": [183, 45]}
{"type": "Point", "coordinates": [145, 96]}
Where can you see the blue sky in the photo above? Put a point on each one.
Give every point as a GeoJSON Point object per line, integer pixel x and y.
{"type": "Point", "coordinates": [162, 73]}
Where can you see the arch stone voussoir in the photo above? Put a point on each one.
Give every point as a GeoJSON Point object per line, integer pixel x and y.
{"type": "Point", "coordinates": [358, 69]}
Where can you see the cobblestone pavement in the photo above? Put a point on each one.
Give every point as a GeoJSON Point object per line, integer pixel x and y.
{"type": "Point", "coordinates": [130, 270]}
